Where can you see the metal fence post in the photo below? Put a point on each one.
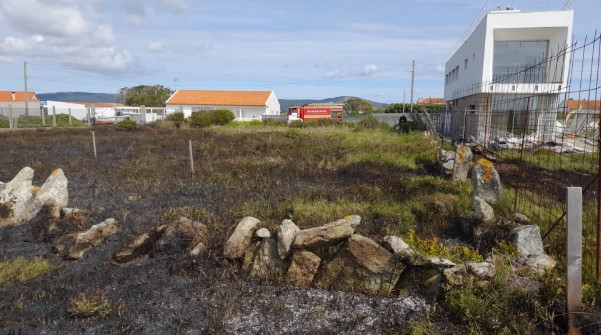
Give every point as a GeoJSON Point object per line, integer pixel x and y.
{"type": "Point", "coordinates": [574, 258]}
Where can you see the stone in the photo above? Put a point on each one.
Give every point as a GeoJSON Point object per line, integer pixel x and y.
{"type": "Point", "coordinates": [76, 245]}
{"type": "Point", "coordinates": [441, 262]}
{"type": "Point", "coordinates": [524, 284]}
{"type": "Point", "coordinates": [249, 256]}
{"type": "Point", "coordinates": [241, 238]}
{"type": "Point", "coordinates": [267, 263]}
{"type": "Point", "coordinates": [141, 245]}
{"type": "Point", "coordinates": [327, 235]}
{"type": "Point", "coordinates": [2, 186]}
{"type": "Point", "coordinates": [182, 235]}
{"type": "Point", "coordinates": [445, 156]}
{"type": "Point", "coordinates": [425, 280]}
{"type": "Point", "coordinates": [527, 240]}
{"type": "Point", "coordinates": [463, 159]}
{"type": "Point", "coordinates": [262, 233]}
{"type": "Point", "coordinates": [70, 211]}
{"type": "Point", "coordinates": [534, 265]}
{"type": "Point", "coordinates": [521, 219]}
{"type": "Point", "coordinates": [287, 232]}
{"type": "Point", "coordinates": [303, 267]}
{"type": "Point", "coordinates": [486, 181]}
{"type": "Point", "coordinates": [483, 211]}
{"type": "Point", "coordinates": [456, 275]}
{"type": "Point", "coordinates": [53, 193]}
{"type": "Point", "coordinates": [198, 249]}
{"type": "Point", "coordinates": [361, 265]}
{"type": "Point", "coordinates": [397, 246]}
{"type": "Point", "coordinates": [481, 270]}
{"type": "Point", "coordinates": [15, 199]}
{"type": "Point", "coordinates": [447, 168]}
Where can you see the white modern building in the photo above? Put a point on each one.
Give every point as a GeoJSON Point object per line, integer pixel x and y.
{"type": "Point", "coordinates": [76, 110]}
{"type": "Point", "coordinates": [246, 105]}
{"type": "Point", "coordinates": [506, 77]}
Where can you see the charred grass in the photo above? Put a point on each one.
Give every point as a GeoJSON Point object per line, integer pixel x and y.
{"type": "Point", "coordinates": [143, 178]}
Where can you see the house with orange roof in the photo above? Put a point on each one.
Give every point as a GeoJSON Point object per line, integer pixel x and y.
{"type": "Point", "coordinates": [580, 106]}
{"type": "Point", "coordinates": [15, 100]}
{"type": "Point", "coordinates": [430, 101]}
{"type": "Point", "coordinates": [246, 105]}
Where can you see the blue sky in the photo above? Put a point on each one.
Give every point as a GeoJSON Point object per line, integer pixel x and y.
{"type": "Point", "coordinates": [299, 49]}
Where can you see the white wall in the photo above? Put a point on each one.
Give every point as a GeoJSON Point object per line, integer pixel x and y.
{"type": "Point", "coordinates": [18, 108]}
{"type": "Point", "coordinates": [273, 105]}
{"type": "Point", "coordinates": [78, 111]}
{"type": "Point", "coordinates": [242, 113]}
{"type": "Point", "coordinates": [554, 26]}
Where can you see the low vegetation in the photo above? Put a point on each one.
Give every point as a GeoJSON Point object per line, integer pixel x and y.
{"type": "Point", "coordinates": [22, 269]}
{"type": "Point", "coordinates": [90, 306]}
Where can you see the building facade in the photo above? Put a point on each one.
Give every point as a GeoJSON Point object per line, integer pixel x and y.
{"type": "Point", "coordinates": [508, 75]}
{"type": "Point", "coordinates": [246, 105]}
{"type": "Point", "coordinates": [13, 102]}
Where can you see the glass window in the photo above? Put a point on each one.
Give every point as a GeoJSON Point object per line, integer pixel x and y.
{"type": "Point", "coordinates": [520, 61]}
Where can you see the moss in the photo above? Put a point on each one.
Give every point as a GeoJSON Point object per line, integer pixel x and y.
{"type": "Point", "coordinates": [22, 269]}
{"type": "Point", "coordinates": [91, 306]}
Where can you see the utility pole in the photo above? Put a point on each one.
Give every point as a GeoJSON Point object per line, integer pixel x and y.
{"type": "Point", "coordinates": [412, 82]}
{"type": "Point", "coordinates": [26, 94]}
{"type": "Point", "coordinates": [404, 101]}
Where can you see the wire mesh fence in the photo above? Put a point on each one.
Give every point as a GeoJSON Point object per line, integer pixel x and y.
{"type": "Point", "coordinates": [540, 123]}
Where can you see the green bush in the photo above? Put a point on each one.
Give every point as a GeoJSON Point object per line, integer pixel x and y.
{"type": "Point", "coordinates": [202, 119]}
{"type": "Point", "coordinates": [323, 122]}
{"type": "Point", "coordinates": [273, 122]}
{"type": "Point", "coordinates": [368, 123]}
{"type": "Point", "coordinates": [222, 117]}
{"type": "Point", "coordinates": [126, 125]}
{"type": "Point", "coordinates": [177, 117]}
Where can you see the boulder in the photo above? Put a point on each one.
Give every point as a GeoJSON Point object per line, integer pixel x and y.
{"type": "Point", "coordinates": [441, 262]}
{"type": "Point", "coordinates": [521, 219]}
{"type": "Point", "coordinates": [141, 245]}
{"type": "Point", "coordinates": [15, 199]}
{"type": "Point", "coordinates": [267, 263]}
{"type": "Point", "coordinates": [463, 159]}
{"type": "Point", "coordinates": [262, 233]}
{"type": "Point", "coordinates": [303, 267]}
{"type": "Point", "coordinates": [447, 168]}
{"type": "Point", "coordinates": [483, 211]}
{"type": "Point", "coordinates": [445, 156]}
{"type": "Point", "coordinates": [533, 265]}
{"type": "Point", "coordinates": [53, 193]}
{"type": "Point", "coordinates": [363, 265]}
{"type": "Point", "coordinates": [183, 235]}
{"type": "Point", "coordinates": [241, 238]}
{"type": "Point", "coordinates": [76, 245]}
{"type": "Point", "coordinates": [287, 232]}
{"type": "Point", "coordinates": [524, 284]}
{"type": "Point", "coordinates": [456, 275]}
{"type": "Point", "coordinates": [397, 246]}
{"type": "Point", "coordinates": [2, 186]}
{"type": "Point", "coordinates": [486, 181]}
{"type": "Point", "coordinates": [327, 235]}
{"type": "Point", "coordinates": [481, 270]}
{"type": "Point", "coordinates": [527, 240]}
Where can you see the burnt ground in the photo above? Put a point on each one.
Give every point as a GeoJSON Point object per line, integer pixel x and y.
{"type": "Point", "coordinates": [171, 293]}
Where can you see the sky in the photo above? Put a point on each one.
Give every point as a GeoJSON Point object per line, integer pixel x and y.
{"type": "Point", "coordinates": [300, 49]}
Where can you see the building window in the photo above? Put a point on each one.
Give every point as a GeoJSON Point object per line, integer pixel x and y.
{"type": "Point", "coordinates": [520, 61]}
{"type": "Point", "coordinates": [465, 64]}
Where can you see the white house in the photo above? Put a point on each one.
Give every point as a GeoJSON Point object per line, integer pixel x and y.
{"type": "Point", "coordinates": [508, 74]}
{"type": "Point", "coordinates": [14, 102]}
{"type": "Point", "coordinates": [246, 105]}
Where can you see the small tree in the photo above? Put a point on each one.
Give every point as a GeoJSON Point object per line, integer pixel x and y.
{"type": "Point", "coordinates": [222, 116]}
{"type": "Point", "coordinates": [126, 125]}
{"type": "Point", "coordinates": [200, 119]}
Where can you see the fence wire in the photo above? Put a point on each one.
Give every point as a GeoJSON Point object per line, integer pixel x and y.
{"type": "Point", "coordinates": [540, 124]}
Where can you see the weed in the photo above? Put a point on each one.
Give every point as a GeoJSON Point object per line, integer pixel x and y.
{"type": "Point", "coordinates": [22, 269]}
{"type": "Point", "coordinates": [90, 306]}
{"type": "Point", "coordinates": [435, 247]}
{"type": "Point", "coordinates": [126, 125]}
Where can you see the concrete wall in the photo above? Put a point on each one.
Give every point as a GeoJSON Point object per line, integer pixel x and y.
{"type": "Point", "coordinates": [78, 111]}
{"type": "Point", "coordinates": [18, 108]}
{"type": "Point", "coordinates": [242, 113]}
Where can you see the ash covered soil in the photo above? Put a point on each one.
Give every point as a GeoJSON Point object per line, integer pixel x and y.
{"type": "Point", "coordinates": [142, 178]}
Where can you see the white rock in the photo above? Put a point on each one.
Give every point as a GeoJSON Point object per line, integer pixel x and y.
{"type": "Point", "coordinates": [441, 262]}
{"type": "Point", "coordinates": [397, 246]}
{"type": "Point", "coordinates": [262, 233]}
{"type": "Point", "coordinates": [241, 238]}
{"type": "Point", "coordinates": [527, 240]}
{"type": "Point", "coordinates": [287, 232]}
{"type": "Point", "coordinates": [483, 270]}
{"type": "Point", "coordinates": [483, 211]}
{"type": "Point", "coordinates": [17, 196]}
{"type": "Point", "coordinates": [53, 193]}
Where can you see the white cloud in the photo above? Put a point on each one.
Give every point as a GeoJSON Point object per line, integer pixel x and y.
{"type": "Point", "coordinates": [56, 18]}
{"type": "Point", "coordinates": [156, 47]}
{"type": "Point", "coordinates": [369, 69]}
{"type": "Point", "coordinates": [175, 5]}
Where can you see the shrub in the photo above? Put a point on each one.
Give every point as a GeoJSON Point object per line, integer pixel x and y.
{"type": "Point", "coordinates": [200, 119]}
{"type": "Point", "coordinates": [176, 117]}
{"type": "Point", "coordinates": [126, 125]}
{"type": "Point", "coordinates": [222, 116]}
{"type": "Point", "coordinates": [368, 123]}
{"type": "Point", "coordinates": [273, 122]}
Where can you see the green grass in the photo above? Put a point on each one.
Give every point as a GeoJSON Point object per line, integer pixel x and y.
{"type": "Point", "coordinates": [90, 306]}
{"type": "Point", "coordinates": [62, 121]}
{"type": "Point", "coordinates": [552, 161]}
{"type": "Point", "coordinates": [22, 269]}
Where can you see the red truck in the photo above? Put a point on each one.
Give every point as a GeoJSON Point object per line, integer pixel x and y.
{"type": "Point", "coordinates": [308, 113]}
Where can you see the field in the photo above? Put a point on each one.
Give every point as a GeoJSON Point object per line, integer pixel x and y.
{"type": "Point", "coordinates": [143, 178]}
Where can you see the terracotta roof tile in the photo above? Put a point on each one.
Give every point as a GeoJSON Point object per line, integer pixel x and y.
{"type": "Point", "coordinates": [426, 101]}
{"type": "Point", "coordinates": [219, 98]}
{"type": "Point", "coordinates": [97, 104]}
{"type": "Point", "coordinates": [585, 104]}
{"type": "Point", "coordinates": [7, 96]}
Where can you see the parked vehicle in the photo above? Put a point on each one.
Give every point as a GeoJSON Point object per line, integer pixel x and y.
{"type": "Point", "coordinates": [308, 113]}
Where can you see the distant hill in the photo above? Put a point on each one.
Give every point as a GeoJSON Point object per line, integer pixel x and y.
{"type": "Point", "coordinates": [285, 103]}
{"type": "Point", "coordinates": [78, 96]}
